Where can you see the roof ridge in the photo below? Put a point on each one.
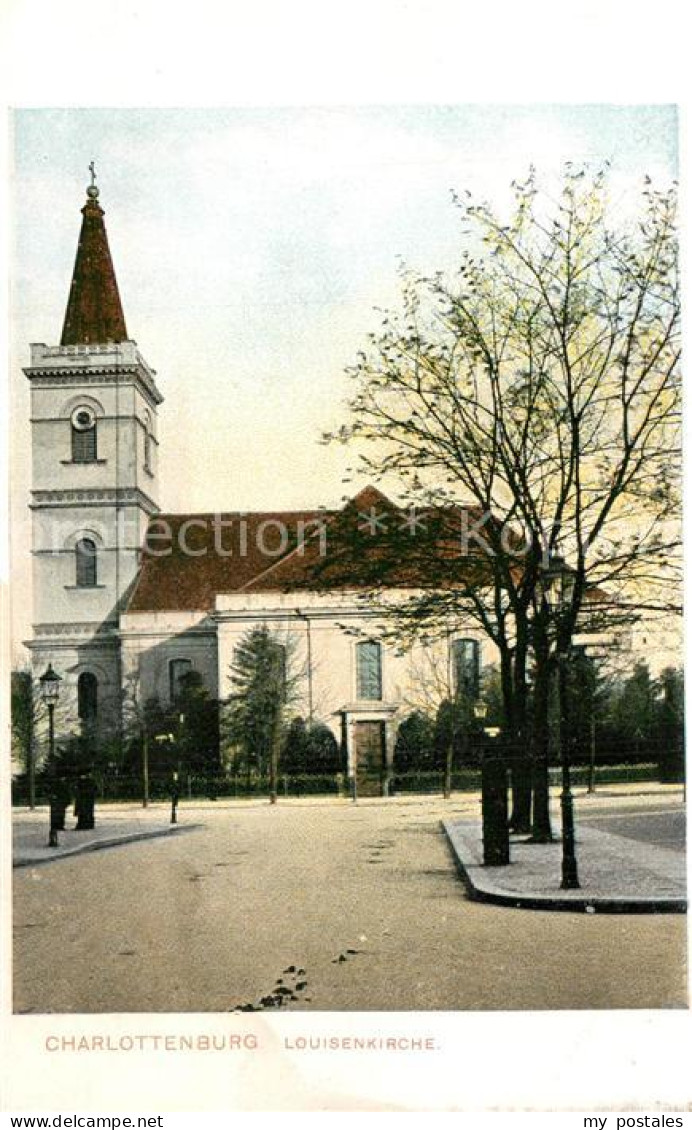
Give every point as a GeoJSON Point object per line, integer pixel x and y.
{"type": "Point", "coordinates": [368, 491]}
{"type": "Point", "coordinates": [137, 580]}
{"type": "Point", "coordinates": [282, 560]}
{"type": "Point", "coordinates": [237, 513]}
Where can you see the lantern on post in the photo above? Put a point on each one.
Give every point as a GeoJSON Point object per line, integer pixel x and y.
{"type": "Point", "coordinates": [50, 693]}
{"type": "Point", "coordinates": [557, 586]}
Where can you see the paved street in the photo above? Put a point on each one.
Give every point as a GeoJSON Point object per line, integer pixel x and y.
{"type": "Point", "coordinates": [662, 826]}
{"type": "Point", "coordinates": [326, 906]}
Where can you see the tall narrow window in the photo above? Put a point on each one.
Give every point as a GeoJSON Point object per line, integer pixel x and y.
{"type": "Point", "coordinates": [85, 563]}
{"type": "Point", "coordinates": [147, 442]}
{"type": "Point", "coordinates": [369, 670]}
{"type": "Point", "coordinates": [466, 663]}
{"type": "Point", "coordinates": [83, 435]}
{"type": "Point", "coordinates": [87, 696]}
{"type": "Point", "coordinates": [177, 670]}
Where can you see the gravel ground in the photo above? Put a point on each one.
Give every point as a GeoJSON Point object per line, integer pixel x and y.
{"type": "Point", "coordinates": [318, 905]}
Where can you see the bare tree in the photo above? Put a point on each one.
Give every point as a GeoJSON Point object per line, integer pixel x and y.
{"type": "Point", "coordinates": [430, 681]}
{"type": "Point", "coordinates": [134, 713]}
{"type": "Point", "coordinates": [29, 717]}
{"type": "Point", "coordinates": [27, 710]}
{"type": "Point", "coordinates": [537, 394]}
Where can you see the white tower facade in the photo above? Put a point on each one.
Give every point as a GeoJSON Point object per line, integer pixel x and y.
{"type": "Point", "coordinates": [94, 438]}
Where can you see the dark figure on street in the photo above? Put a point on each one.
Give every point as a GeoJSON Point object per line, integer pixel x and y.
{"type": "Point", "coordinates": [85, 797]}
{"type": "Point", "coordinates": [175, 797]}
{"type": "Point", "coordinates": [60, 796]}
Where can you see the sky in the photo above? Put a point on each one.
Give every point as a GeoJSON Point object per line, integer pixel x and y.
{"type": "Point", "coordinates": [252, 248]}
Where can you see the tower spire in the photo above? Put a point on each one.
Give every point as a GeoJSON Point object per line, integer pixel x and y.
{"type": "Point", "coordinates": [94, 312]}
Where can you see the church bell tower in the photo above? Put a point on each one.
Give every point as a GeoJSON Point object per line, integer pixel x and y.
{"type": "Point", "coordinates": [94, 404]}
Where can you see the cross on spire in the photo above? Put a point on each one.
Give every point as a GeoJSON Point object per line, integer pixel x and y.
{"type": "Point", "coordinates": [92, 189]}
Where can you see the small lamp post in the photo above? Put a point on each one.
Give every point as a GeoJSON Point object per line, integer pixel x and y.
{"type": "Point", "coordinates": [145, 764]}
{"type": "Point", "coordinates": [175, 797]}
{"type": "Point", "coordinates": [50, 693]}
{"type": "Point", "coordinates": [480, 710]}
{"type": "Point", "coordinates": [480, 713]}
{"type": "Point", "coordinates": [558, 586]}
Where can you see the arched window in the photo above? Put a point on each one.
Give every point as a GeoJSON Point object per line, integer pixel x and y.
{"type": "Point", "coordinates": [148, 441]}
{"type": "Point", "coordinates": [466, 666]}
{"type": "Point", "coordinates": [177, 670]}
{"type": "Point", "coordinates": [83, 422]}
{"type": "Point", "coordinates": [85, 563]}
{"type": "Point", "coordinates": [369, 670]}
{"type": "Point", "coordinates": [87, 696]}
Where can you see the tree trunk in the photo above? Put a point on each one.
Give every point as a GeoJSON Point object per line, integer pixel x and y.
{"type": "Point", "coordinates": [541, 831]}
{"type": "Point", "coordinates": [521, 780]}
{"type": "Point", "coordinates": [518, 751]}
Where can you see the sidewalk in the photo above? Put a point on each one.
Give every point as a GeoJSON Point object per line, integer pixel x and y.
{"type": "Point", "coordinates": [616, 874]}
{"type": "Point", "coordinates": [114, 826]}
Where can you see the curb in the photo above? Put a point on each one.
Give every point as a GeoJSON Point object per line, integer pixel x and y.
{"type": "Point", "coordinates": [584, 905]}
{"type": "Point", "coordinates": [97, 845]}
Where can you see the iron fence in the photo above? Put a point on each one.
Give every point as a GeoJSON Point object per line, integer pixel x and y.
{"type": "Point", "coordinates": [125, 788]}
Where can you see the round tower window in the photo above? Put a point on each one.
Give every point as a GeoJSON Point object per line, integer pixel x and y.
{"type": "Point", "coordinates": [83, 418]}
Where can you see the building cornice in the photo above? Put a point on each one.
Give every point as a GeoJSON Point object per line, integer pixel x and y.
{"type": "Point", "coordinates": [92, 628]}
{"type": "Point", "coordinates": [68, 551]}
{"type": "Point", "coordinates": [133, 496]}
{"type": "Point", "coordinates": [302, 612]}
{"type": "Point", "coordinates": [72, 635]}
{"type": "Point", "coordinates": [378, 707]}
{"type": "Point", "coordinates": [72, 378]}
{"type": "Point", "coordinates": [108, 417]}
{"type": "Point", "coordinates": [196, 632]}
{"type": "Point", "coordinates": [57, 365]}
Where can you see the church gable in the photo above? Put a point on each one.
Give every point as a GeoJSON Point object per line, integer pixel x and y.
{"type": "Point", "coordinates": [188, 559]}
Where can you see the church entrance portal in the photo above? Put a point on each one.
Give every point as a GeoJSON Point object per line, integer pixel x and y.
{"type": "Point", "coordinates": [370, 758]}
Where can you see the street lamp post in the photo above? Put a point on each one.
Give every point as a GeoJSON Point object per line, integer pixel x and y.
{"type": "Point", "coordinates": [493, 798]}
{"type": "Point", "coordinates": [145, 765]}
{"type": "Point", "coordinates": [589, 673]}
{"type": "Point", "coordinates": [558, 583]}
{"type": "Point", "coordinates": [50, 692]}
{"type": "Point", "coordinates": [175, 797]}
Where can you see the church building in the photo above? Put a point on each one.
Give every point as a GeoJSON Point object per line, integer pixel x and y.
{"type": "Point", "coordinates": [127, 599]}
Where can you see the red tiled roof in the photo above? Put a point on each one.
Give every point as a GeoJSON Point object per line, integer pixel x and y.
{"type": "Point", "coordinates": [94, 312]}
{"type": "Point", "coordinates": [189, 558]}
